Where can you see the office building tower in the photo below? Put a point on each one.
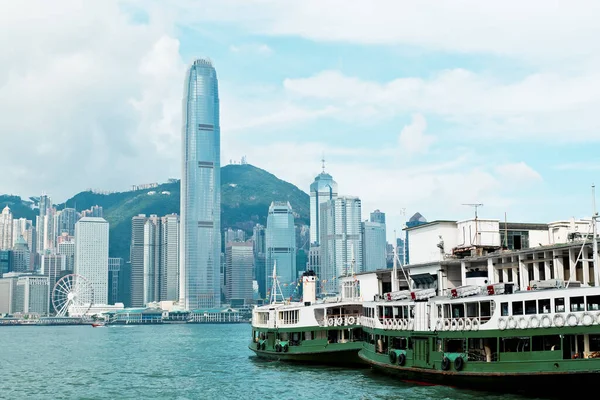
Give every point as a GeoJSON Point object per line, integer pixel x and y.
{"type": "Point", "coordinates": [32, 295]}
{"type": "Point", "coordinates": [66, 220]}
{"type": "Point", "coordinates": [67, 248]}
{"type": "Point", "coordinates": [200, 189]}
{"type": "Point", "coordinates": [45, 204]}
{"type": "Point", "coordinates": [377, 216]}
{"type": "Point", "coordinates": [341, 240]}
{"type": "Point", "coordinates": [323, 189]}
{"type": "Point", "coordinates": [91, 255]}
{"type": "Point", "coordinates": [6, 229]}
{"type": "Point", "coordinates": [416, 220]}
{"type": "Point", "coordinates": [152, 258]}
{"type": "Point", "coordinates": [258, 238]}
{"type": "Point", "coordinates": [53, 266]}
{"type": "Point", "coordinates": [21, 257]}
{"type": "Point", "coordinates": [8, 292]}
{"type": "Point", "coordinates": [115, 264]}
{"type": "Point", "coordinates": [239, 261]}
{"type": "Point", "coordinates": [281, 247]}
{"type": "Point", "coordinates": [374, 246]}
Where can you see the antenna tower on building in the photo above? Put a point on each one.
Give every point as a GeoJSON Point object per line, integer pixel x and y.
{"type": "Point", "coordinates": [475, 206]}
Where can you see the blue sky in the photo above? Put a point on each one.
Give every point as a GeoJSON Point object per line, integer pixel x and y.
{"type": "Point", "coordinates": [419, 106]}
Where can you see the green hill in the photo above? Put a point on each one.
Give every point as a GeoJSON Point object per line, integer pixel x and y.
{"type": "Point", "coordinates": [246, 193]}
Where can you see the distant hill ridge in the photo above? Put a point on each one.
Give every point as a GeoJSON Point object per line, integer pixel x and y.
{"type": "Point", "coordinates": [246, 193]}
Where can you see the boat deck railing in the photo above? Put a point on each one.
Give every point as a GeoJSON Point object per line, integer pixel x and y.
{"type": "Point", "coordinates": [340, 320]}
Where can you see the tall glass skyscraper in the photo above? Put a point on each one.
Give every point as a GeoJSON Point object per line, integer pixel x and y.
{"type": "Point", "coordinates": [323, 189]}
{"type": "Point", "coordinates": [200, 189]}
{"type": "Point", "coordinates": [280, 241]}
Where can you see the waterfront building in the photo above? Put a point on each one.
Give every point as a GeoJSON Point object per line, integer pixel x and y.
{"type": "Point", "coordinates": [53, 266]}
{"type": "Point", "coordinates": [91, 255]}
{"type": "Point", "coordinates": [200, 189]}
{"type": "Point", "coordinates": [32, 295]}
{"type": "Point", "coordinates": [136, 257]}
{"type": "Point", "coordinates": [115, 264]}
{"type": "Point", "coordinates": [239, 261]}
{"type": "Point", "coordinates": [374, 246]}
{"type": "Point", "coordinates": [6, 229]}
{"type": "Point", "coordinates": [323, 189]}
{"type": "Point", "coordinates": [152, 258]}
{"type": "Point", "coordinates": [281, 246]}
{"type": "Point", "coordinates": [341, 240]}
{"type": "Point", "coordinates": [67, 248]}
{"type": "Point", "coordinates": [8, 290]}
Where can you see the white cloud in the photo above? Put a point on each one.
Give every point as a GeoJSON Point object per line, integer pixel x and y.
{"type": "Point", "coordinates": [579, 166]}
{"type": "Point", "coordinates": [413, 139]}
{"type": "Point", "coordinates": [531, 108]}
{"type": "Point", "coordinates": [251, 48]}
{"type": "Point", "coordinates": [518, 173]}
{"type": "Point", "coordinates": [536, 30]}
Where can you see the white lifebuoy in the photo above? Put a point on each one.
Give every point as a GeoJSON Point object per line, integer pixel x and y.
{"type": "Point", "coordinates": [339, 321]}
{"type": "Point", "coordinates": [522, 323]}
{"type": "Point", "coordinates": [559, 320]}
{"type": "Point", "coordinates": [350, 320]}
{"type": "Point", "coordinates": [546, 322]}
{"type": "Point", "coordinates": [446, 324]}
{"type": "Point", "coordinates": [468, 324]}
{"type": "Point", "coordinates": [475, 324]}
{"type": "Point", "coordinates": [330, 322]}
{"type": "Point", "coordinates": [587, 319]}
{"type": "Point", "coordinates": [572, 320]}
{"type": "Point", "coordinates": [461, 324]}
{"type": "Point", "coordinates": [410, 324]}
{"type": "Point", "coordinates": [453, 325]}
{"type": "Point", "coordinates": [502, 324]}
{"type": "Point", "coordinates": [512, 322]}
{"type": "Point", "coordinates": [534, 322]}
{"type": "Point", "coordinates": [396, 324]}
{"type": "Point", "coordinates": [403, 324]}
{"type": "Point", "coordinates": [439, 325]}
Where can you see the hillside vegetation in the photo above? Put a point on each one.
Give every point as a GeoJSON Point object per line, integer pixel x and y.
{"type": "Point", "coordinates": [246, 193]}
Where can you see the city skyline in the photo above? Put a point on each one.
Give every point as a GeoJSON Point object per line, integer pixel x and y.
{"type": "Point", "coordinates": [409, 104]}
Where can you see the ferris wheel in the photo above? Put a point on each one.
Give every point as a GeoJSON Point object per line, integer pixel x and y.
{"type": "Point", "coordinates": [73, 295]}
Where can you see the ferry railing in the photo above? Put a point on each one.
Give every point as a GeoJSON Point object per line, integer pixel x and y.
{"type": "Point", "coordinates": [340, 320]}
{"type": "Point", "coordinates": [481, 356]}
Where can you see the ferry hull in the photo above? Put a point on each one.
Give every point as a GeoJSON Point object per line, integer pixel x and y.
{"type": "Point", "coordinates": [348, 357]}
{"type": "Point", "coordinates": [552, 385]}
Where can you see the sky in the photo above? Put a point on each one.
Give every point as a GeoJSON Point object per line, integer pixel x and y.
{"type": "Point", "coordinates": [415, 106]}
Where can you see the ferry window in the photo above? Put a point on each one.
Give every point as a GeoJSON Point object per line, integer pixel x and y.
{"type": "Point", "coordinates": [577, 303]}
{"type": "Point", "coordinates": [454, 345]}
{"type": "Point", "coordinates": [593, 303]}
{"type": "Point", "coordinates": [396, 312]}
{"type": "Point", "coordinates": [530, 307]}
{"type": "Point", "coordinates": [399, 343]}
{"type": "Point", "coordinates": [380, 311]}
{"type": "Point", "coordinates": [517, 308]}
{"type": "Point", "coordinates": [440, 315]}
{"type": "Point", "coordinates": [514, 344]}
{"type": "Point", "coordinates": [447, 313]}
{"type": "Point", "coordinates": [559, 304]}
{"type": "Point", "coordinates": [388, 312]}
{"type": "Point", "coordinates": [504, 309]}
{"type": "Point", "coordinates": [472, 310]}
{"type": "Point", "coordinates": [594, 342]}
{"type": "Point", "coordinates": [458, 310]}
{"type": "Point", "coordinates": [545, 343]}
{"type": "Point", "coordinates": [485, 308]}
{"type": "Point", "coordinates": [544, 306]}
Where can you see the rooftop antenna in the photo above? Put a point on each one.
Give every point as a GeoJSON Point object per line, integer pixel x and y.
{"type": "Point", "coordinates": [476, 206]}
{"type": "Point", "coordinates": [323, 162]}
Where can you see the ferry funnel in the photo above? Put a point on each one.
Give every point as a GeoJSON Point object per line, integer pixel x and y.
{"type": "Point", "coordinates": [309, 287]}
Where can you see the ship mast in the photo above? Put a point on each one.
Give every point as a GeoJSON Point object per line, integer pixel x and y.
{"type": "Point", "coordinates": [275, 288]}
{"type": "Point", "coordinates": [596, 258]}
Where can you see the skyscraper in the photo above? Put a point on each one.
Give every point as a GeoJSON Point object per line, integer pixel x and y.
{"type": "Point", "coordinates": [374, 246]}
{"type": "Point", "coordinates": [200, 189]}
{"type": "Point", "coordinates": [323, 189]}
{"type": "Point", "coordinates": [239, 261]}
{"type": "Point", "coordinates": [91, 255]}
{"type": "Point", "coordinates": [136, 258]}
{"type": "Point", "coordinates": [6, 229]}
{"type": "Point", "coordinates": [281, 246]}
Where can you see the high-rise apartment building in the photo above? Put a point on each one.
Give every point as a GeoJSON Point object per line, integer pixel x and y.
{"type": "Point", "coordinates": [66, 222]}
{"type": "Point", "coordinates": [341, 240]}
{"type": "Point", "coordinates": [201, 189]}
{"type": "Point", "coordinates": [67, 248]}
{"type": "Point", "coordinates": [169, 283]}
{"type": "Point", "coordinates": [239, 261]}
{"type": "Point", "coordinates": [323, 189]}
{"type": "Point", "coordinates": [136, 257]}
{"type": "Point", "coordinates": [91, 255]}
{"type": "Point", "coordinates": [152, 246]}
{"type": "Point", "coordinates": [53, 266]}
{"type": "Point", "coordinates": [45, 207]}
{"type": "Point", "coordinates": [281, 246]}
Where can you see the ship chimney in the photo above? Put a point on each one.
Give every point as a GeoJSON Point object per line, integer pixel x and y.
{"type": "Point", "coordinates": [309, 287]}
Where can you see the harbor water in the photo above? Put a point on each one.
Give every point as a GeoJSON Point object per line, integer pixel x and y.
{"type": "Point", "coordinates": [178, 362]}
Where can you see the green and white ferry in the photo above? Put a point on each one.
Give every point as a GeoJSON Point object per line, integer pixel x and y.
{"type": "Point", "coordinates": [327, 331]}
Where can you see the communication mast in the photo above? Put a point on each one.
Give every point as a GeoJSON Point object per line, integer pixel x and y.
{"type": "Point", "coordinates": [475, 206]}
